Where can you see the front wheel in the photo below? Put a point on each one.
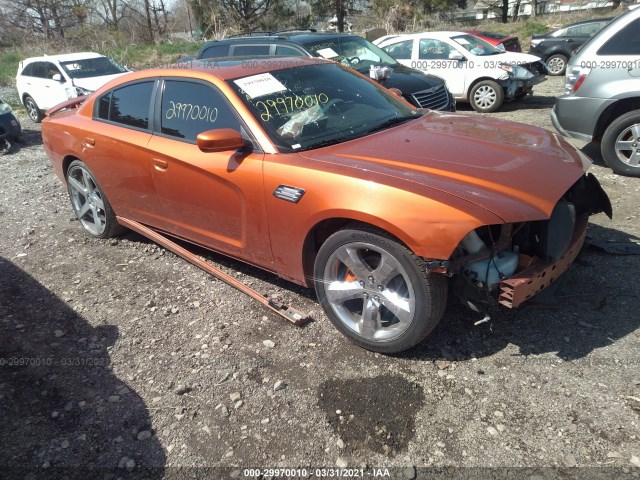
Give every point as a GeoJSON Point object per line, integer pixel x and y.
{"type": "Point", "coordinates": [621, 144]}
{"type": "Point", "coordinates": [90, 203]}
{"type": "Point", "coordinates": [486, 96]}
{"type": "Point", "coordinates": [376, 291]}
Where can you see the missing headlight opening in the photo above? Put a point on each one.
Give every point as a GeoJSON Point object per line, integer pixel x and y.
{"type": "Point", "coordinates": [508, 264]}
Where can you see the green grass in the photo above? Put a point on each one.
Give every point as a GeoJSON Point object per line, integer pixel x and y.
{"type": "Point", "coordinates": [9, 67]}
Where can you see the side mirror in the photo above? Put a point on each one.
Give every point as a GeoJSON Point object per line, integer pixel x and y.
{"type": "Point", "coordinates": [57, 77]}
{"type": "Point", "coordinates": [455, 55]}
{"type": "Point", "coordinates": [220, 140]}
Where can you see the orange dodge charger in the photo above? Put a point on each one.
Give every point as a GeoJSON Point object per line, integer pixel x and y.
{"type": "Point", "coordinates": [312, 171]}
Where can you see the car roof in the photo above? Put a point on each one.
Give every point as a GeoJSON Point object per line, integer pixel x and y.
{"type": "Point", "coordinates": [489, 34]}
{"type": "Point", "coordinates": [295, 36]}
{"type": "Point", "coordinates": [591, 20]}
{"type": "Point", "coordinates": [439, 35]}
{"type": "Point", "coordinates": [65, 57]}
{"type": "Point", "coordinates": [228, 68]}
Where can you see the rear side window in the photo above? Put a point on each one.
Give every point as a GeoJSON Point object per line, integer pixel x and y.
{"type": "Point", "coordinates": [215, 51]}
{"type": "Point", "coordinates": [28, 71]}
{"type": "Point", "coordinates": [39, 70]}
{"type": "Point", "coordinates": [243, 50]}
{"type": "Point", "coordinates": [189, 108]}
{"type": "Point", "coordinates": [127, 105]}
{"type": "Point", "coordinates": [625, 42]}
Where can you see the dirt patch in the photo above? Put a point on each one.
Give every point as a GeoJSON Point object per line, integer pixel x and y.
{"type": "Point", "coordinates": [374, 413]}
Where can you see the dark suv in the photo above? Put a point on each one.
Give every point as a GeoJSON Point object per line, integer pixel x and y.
{"type": "Point", "coordinates": [419, 89]}
{"type": "Point", "coordinates": [557, 46]}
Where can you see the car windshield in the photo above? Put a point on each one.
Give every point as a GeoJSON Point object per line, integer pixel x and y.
{"type": "Point", "coordinates": [476, 46]}
{"type": "Point", "coordinates": [353, 51]}
{"type": "Point", "coordinates": [312, 106]}
{"type": "Point", "coordinates": [92, 67]}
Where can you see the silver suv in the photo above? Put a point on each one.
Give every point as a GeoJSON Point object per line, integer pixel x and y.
{"type": "Point", "coordinates": [601, 101]}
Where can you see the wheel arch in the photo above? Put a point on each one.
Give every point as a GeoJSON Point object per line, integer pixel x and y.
{"type": "Point", "coordinates": [616, 110]}
{"type": "Point", "coordinates": [481, 79]}
{"type": "Point", "coordinates": [322, 230]}
{"type": "Point", "coordinates": [66, 161]}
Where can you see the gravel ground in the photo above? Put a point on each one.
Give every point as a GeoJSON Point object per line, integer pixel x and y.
{"type": "Point", "coordinates": [119, 356]}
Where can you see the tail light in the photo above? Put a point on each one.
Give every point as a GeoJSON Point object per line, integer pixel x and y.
{"type": "Point", "coordinates": [574, 78]}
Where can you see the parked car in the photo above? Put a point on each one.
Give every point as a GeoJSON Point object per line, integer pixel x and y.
{"type": "Point", "coordinates": [475, 71]}
{"type": "Point", "coordinates": [425, 91]}
{"type": "Point", "coordinates": [10, 128]}
{"type": "Point", "coordinates": [510, 43]}
{"type": "Point", "coordinates": [318, 174]}
{"type": "Point", "coordinates": [557, 46]}
{"type": "Point", "coordinates": [43, 82]}
{"type": "Point", "coordinates": [602, 94]}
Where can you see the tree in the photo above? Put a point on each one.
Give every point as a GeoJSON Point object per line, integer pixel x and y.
{"type": "Point", "coordinates": [398, 15]}
{"type": "Point", "coordinates": [51, 18]}
{"type": "Point", "coordinates": [339, 8]}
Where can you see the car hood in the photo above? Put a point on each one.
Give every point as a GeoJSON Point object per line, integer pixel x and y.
{"type": "Point", "coordinates": [513, 58]}
{"type": "Point", "coordinates": [515, 171]}
{"type": "Point", "coordinates": [409, 80]}
{"type": "Point", "coordinates": [94, 83]}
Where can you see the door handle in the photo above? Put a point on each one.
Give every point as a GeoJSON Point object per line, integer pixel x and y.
{"type": "Point", "coordinates": [89, 142]}
{"type": "Point", "coordinates": [159, 164]}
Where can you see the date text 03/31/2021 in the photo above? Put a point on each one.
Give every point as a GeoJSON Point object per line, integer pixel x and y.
{"type": "Point", "coordinates": [315, 472]}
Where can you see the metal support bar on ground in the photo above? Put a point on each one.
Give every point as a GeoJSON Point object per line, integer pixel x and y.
{"type": "Point", "coordinates": [289, 313]}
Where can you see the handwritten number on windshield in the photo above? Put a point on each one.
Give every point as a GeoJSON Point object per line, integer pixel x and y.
{"type": "Point", "coordinates": [289, 104]}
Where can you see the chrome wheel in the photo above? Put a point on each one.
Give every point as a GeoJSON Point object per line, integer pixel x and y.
{"type": "Point", "coordinates": [621, 144]}
{"type": "Point", "coordinates": [556, 64]}
{"type": "Point", "coordinates": [86, 200]}
{"type": "Point", "coordinates": [369, 291]}
{"type": "Point", "coordinates": [627, 146]}
{"type": "Point", "coordinates": [376, 291]}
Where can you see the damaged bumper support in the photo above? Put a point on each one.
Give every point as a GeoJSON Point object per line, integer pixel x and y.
{"type": "Point", "coordinates": [532, 280]}
{"type": "Point", "coordinates": [506, 265]}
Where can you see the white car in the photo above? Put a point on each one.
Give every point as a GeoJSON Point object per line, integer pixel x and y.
{"type": "Point", "coordinates": [474, 70]}
{"type": "Point", "coordinates": [44, 82]}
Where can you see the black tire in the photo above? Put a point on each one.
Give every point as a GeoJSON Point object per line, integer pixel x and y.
{"type": "Point", "coordinates": [486, 96]}
{"type": "Point", "coordinates": [384, 281]}
{"type": "Point", "coordinates": [33, 110]}
{"type": "Point", "coordinates": [621, 144]}
{"type": "Point", "coordinates": [89, 202]}
{"type": "Point", "coordinates": [556, 64]}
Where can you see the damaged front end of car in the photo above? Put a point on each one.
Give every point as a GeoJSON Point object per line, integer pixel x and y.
{"type": "Point", "coordinates": [520, 79]}
{"type": "Point", "coordinates": [507, 264]}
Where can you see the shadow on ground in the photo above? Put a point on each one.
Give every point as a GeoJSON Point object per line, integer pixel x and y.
{"type": "Point", "coordinates": [64, 412]}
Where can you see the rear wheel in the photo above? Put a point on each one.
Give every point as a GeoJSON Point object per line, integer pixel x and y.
{"type": "Point", "coordinates": [32, 109]}
{"type": "Point", "coordinates": [486, 96]}
{"type": "Point", "coordinates": [90, 203]}
{"type": "Point", "coordinates": [556, 64]}
{"type": "Point", "coordinates": [621, 144]}
{"type": "Point", "coordinates": [376, 291]}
